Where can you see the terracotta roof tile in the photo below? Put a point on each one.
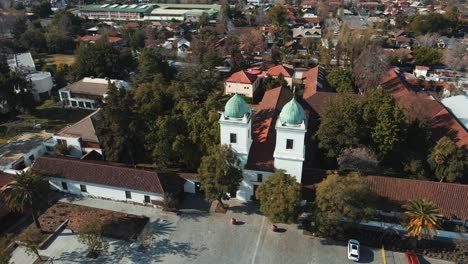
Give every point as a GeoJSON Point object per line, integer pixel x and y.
{"type": "Point", "coordinates": [109, 174]}
{"type": "Point", "coordinates": [242, 77]}
{"type": "Point", "coordinates": [5, 179]}
{"type": "Point", "coordinates": [263, 129]}
{"type": "Point", "coordinates": [312, 78]}
{"type": "Point", "coordinates": [451, 198]}
{"type": "Point", "coordinates": [89, 38]}
{"type": "Point", "coordinates": [280, 69]}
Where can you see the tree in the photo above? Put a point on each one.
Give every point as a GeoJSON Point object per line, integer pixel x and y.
{"type": "Point", "coordinates": [220, 174]}
{"type": "Point", "coordinates": [447, 161]}
{"type": "Point", "coordinates": [58, 42]}
{"type": "Point", "coordinates": [33, 39]}
{"type": "Point", "coordinates": [102, 60]}
{"type": "Point", "coordinates": [30, 191]}
{"type": "Point", "coordinates": [19, 27]}
{"type": "Point", "coordinates": [204, 50]}
{"type": "Point", "coordinates": [384, 121]}
{"type": "Point", "coordinates": [5, 242]}
{"type": "Point", "coordinates": [432, 23]}
{"type": "Point", "coordinates": [340, 125]}
{"type": "Point", "coordinates": [369, 68]}
{"type": "Point", "coordinates": [272, 83]}
{"type": "Point", "coordinates": [42, 10]}
{"type": "Point", "coordinates": [150, 64]}
{"type": "Point", "coordinates": [341, 79]}
{"type": "Point", "coordinates": [15, 90]}
{"type": "Point", "coordinates": [422, 218]}
{"type": "Point", "coordinates": [278, 15]}
{"type": "Point", "coordinates": [343, 202]}
{"type": "Point", "coordinates": [62, 150]}
{"type": "Point", "coordinates": [427, 56]}
{"type": "Point", "coordinates": [119, 134]}
{"type": "Point", "coordinates": [280, 195]}
{"type": "Point", "coordinates": [145, 237]}
{"type": "Point", "coordinates": [252, 42]}
{"type": "Point", "coordinates": [90, 233]}
{"type": "Point", "coordinates": [456, 58]}
{"type": "Point", "coordinates": [30, 239]}
{"type": "Point", "coordinates": [204, 20]}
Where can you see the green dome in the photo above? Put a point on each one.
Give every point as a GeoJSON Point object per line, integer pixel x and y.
{"type": "Point", "coordinates": [236, 107]}
{"type": "Point", "coordinates": [292, 113]}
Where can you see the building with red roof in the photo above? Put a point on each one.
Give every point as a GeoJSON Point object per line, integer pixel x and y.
{"type": "Point", "coordinates": [92, 39]}
{"type": "Point", "coordinates": [5, 179]}
{"type": "Point", "coordinates": [242, 82]}
{"type": "Point", "coordinates": [287, 72]}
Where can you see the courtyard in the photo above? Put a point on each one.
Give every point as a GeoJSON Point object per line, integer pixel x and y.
{"type": "Point", "coordinates": [197, 236]}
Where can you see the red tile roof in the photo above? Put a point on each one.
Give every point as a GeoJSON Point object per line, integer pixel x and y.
{"type": "Point", "coordinates": [242, 77]}
{"type": "Point", "coordinates": [263, 129]}
{"type": "Point", "coordinates": [424, 107]}
{"type": "Point", "coordinates": [314, 20]}
{"type": "Point", "coordinates": [108, 174]}
{"type": "Point", "coordinates": [280, 69]}
{"type": "Point", "coordinates": [312, 78]}
{"type": "Point", "coordinates": [451, 198]}
{"type": "Point", "coordinates": [89, 38]}
{"type": "Point", "coordinates": [422, 68]}
{"type": "Point", "coordinates": [316, 100]}
{"type": "Point", "coordinates": [5, 179]}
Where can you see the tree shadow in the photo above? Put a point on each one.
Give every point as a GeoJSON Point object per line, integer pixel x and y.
{"type": "Point", "coordinates": [247, 208]}
{"type": "Point", "coordinates": [367, 255]}
{"type": "Point", "coordinates": [194, 207]}
{"type": "Point", "coordinates": [160, 227]}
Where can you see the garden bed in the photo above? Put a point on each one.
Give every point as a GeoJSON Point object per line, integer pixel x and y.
{"type": "Point", "coordinates": [116, 225]}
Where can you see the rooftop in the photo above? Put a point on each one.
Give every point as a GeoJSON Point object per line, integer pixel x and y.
{"type": "Point", "coordinates": [85, 129]}
{"type": "Point", "coordinates": [451, 198]}
{"type": "Point", "coordinates": [242, 77]}
{"type": "Point", "coordinates": [21, 60]}
{"type": "Point", "coordinates": [145, 8]}
{"type": "Point", "coordinates": [458, 105]}
{"type": "Point", "coordinates": [21, 145]}
{"type": "Point", "coordinates": [93, 86]}
{"type": "Point", "coordinates": [280, 69]}
{"type": "Point", "coordinates": [263, 129]}
{"type": "Point", "coordinates": [109, 174]}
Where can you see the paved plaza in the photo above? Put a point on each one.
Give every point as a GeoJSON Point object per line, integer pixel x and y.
{"type": "Point", "coordinates": [195, 236]}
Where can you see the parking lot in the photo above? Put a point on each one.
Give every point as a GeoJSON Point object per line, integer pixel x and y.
{"type": "Point", "coordinates": [196, 236]}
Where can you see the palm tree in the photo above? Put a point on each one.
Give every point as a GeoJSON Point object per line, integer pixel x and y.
{"type": "Point", "coordinates": [422, 218]}
{"type": "Point", "coordinates": [28, 192]}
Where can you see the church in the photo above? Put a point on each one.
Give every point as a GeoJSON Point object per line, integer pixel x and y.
{"type": "Point", "coordinates": [276, 133]}
{"type": "Point", "coordinates": [273, 138]}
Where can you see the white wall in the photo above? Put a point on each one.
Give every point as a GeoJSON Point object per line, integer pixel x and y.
{"type": "Point", "coordinates": [36, 152]}
{"type": "Point", "coordinates": [246, 187]}
{"type": "Point", "coordinates": [102, 191]}
{"type": "Point", "coordinates": [243, 129]}
{"type": "Point", "coordinates": [189, 186]}
{"type": "Point", "coordinates": [241, 88]}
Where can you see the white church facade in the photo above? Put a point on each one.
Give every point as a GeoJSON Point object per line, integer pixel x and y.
{"type": "Point", "coordinates": [273, 138]}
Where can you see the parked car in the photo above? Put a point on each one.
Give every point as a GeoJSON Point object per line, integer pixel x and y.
{"type": "Point", "coordinates": [353, 250]}
{"type": "Point", "coordinates": [411, 257]}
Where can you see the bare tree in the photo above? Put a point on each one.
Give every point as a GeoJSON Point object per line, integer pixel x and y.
{"type": "Point", "coordinates": [369, 68]}
{"type": "Point", "coordinates": [456, 57]}
{"type": "Point", "coordinates": [428, 40]}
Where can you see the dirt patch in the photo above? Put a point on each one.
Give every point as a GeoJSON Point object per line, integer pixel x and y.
{"type": "Point", "coordinates": [116, 225]}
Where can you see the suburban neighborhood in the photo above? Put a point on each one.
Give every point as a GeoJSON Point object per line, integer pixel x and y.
{"type": "Point", "coordinates": [233, 131]}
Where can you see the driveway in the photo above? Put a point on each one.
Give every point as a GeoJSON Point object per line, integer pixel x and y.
{"type": "Point", "coordinates": [196, 236]}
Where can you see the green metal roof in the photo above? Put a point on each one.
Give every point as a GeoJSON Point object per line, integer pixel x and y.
{"type": "Point", "coordinates": [141, 8]}
{"type": "Point", "coordinates": [292, 113]}
{"type": "Point", "coordinates": [236, 107]}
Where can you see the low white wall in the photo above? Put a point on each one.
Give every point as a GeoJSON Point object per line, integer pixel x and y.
{"type": "Point", "coordinates": [189, 186]}
{"type": "Point", "coordinates": [102, 191]}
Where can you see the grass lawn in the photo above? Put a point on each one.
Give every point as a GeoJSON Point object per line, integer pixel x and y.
{"type": "Point", "coordinates": [51, 117]}
{"type": "Point", "coordinates": [58, 58]}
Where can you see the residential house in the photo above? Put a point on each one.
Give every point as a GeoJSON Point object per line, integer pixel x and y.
{"type": "Point", "coordinates": [286, 71]}
{"type": "Point", "coordinates": [42, 82]}
{"type": "Point", "coordinates": [91, 39]}
{"type": "Point", "coordinates": [80, 138]}
{"type": "Point", "coordinates": [21, 151]}
{"type": "Point", "coordinates": [88, 92]}
{"type": "Point", "coordinates": [113, 181]}
{"type": "Point", "coordinates": [311, 19]}
{"type": "Point", "coordinates": [302, 32]}
{"type": "Point", "coordinates": [183, 47]}
{"type": "Point", "coordinates": [458, 106]}
{"type": "Point", "coordinates": [242, 82]}
{"type": "Point", "coordinates": [420, 71]}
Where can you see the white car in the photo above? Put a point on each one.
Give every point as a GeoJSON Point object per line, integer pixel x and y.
{"type": "Point", "coordinates": [353, 250]}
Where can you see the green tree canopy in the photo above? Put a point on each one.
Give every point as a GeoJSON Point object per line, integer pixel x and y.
{"type": "Point", "coordinates": [34, 39]}
{"type": "Point", "coordinates": [101, 60]}
{"type": "Point", "coordinates": [29, 192]}
{"type": "Point", "coordinates": [433, 23]}
{"type": "Point", "coordinates": [58, 42]}
{"type": "Point", "coordinates": [427, 56]}
{"type": "Point", "coordinates": [280, 195]}
{"type": "Point", "coordinates": [343, 202]}
{"type": "Point", "coordinates": [120, 134]}
{"type": "Point", "coordinates": [42, 10]}
{"type": "Point", "coordinates": [341, 79]}
{"type": "Point", "coordinates": [15, 90]}
{"type": "Point", "coordinates": [340, 124]}
{"type": "Point", "coordinates": [90, 233]}
{"type": "Point", "coordinates": [278, 15]}
{"type": "Point", "coordinates": [220, 174]}
{"type": "Point", "coordinates": [150, 64]}
{"type": "Point", "coordinates": [272, 82]}
{"type": "Point", "coordinates": [448, 162]}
